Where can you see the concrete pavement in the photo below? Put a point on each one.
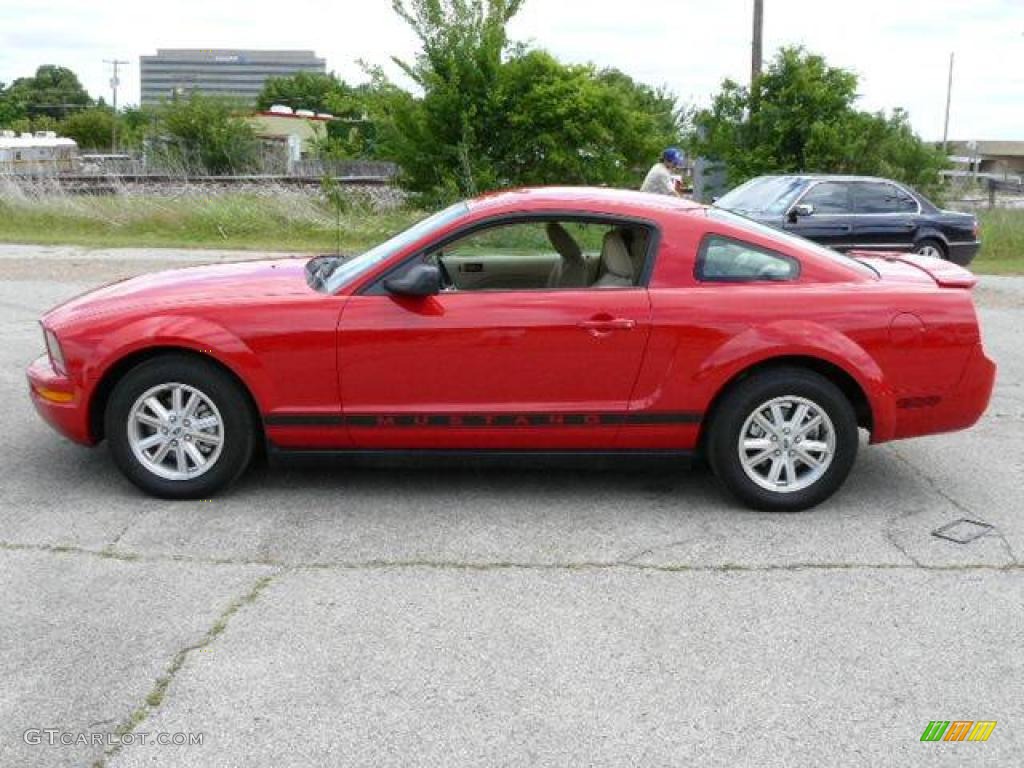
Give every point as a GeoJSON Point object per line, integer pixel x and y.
{"type": "Point", "coordinates": [472, 615]}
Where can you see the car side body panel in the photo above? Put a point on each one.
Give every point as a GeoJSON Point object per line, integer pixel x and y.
{"type": "Point", "coordinates": [515, 370]}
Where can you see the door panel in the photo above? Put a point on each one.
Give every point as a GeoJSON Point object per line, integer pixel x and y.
{"type": "Point", "coordinates": [830, 224]}
{"type": "Point", "coordinates": [829, 230]}
{"type": "Point", "coordinates": [894, 233]}
{"type": "Point", "coordinates": [502, 271]}
{"type": "Point", "coordinates": [886, 217]}
{"type": "Point", "coordinates": [491, 370]}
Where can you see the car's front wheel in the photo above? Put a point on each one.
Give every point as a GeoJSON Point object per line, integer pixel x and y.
{"type": "Point", "coordinates": [783, 440]}
{"type": "Point", "coordinates": [179, 427]}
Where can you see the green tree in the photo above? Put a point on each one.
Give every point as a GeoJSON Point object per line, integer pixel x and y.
{"type": "Point", "coordinates": [571, 124]}
{"type": "Point", "coordinates": [9, 109]}
{"type": "Point", "coordinates": [304, 90]}
{"type": "Point", "coordinates": [801, 117]}
{"type": "Point", "coordinates": [494, 114]}
{"type": "Point", "coordinates": [352, 133]}
{"type": "Point", "coordinates": [91, 128]}
{"type": "Point", "coordinates": [440, 140]}
{"type": "Point", "coordinates": [201, 134]}
{"type": "Point", "coordinates": [33, 124]}
{"type": "Point", "coordinates": [53, 91]}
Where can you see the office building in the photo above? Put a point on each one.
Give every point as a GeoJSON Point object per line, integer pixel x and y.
{"type": "Point", "coordinates": [234, 74]}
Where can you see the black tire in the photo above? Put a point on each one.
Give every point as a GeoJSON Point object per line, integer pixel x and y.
{"type": "Point", "coordinates": [931, 243]}
{"type": "Point", "coordinates": [723, 444]}
{"type": "Point", "coordinates": [237, 425]}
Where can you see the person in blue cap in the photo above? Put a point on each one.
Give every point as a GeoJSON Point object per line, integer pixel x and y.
{"type": "Point", "coordinates": [660, 179]}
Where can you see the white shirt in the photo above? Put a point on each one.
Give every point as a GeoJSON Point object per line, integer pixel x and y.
{"type": "Point", "coordinates": [659, 181]}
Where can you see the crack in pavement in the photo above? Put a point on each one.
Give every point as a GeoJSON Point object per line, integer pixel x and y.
{"type": "Point", "coordinates": [932, 483]}
{"type": "Point", "coordinates": [498, 565]}
{"type": "Point", "coordinates": [890, 523]}
{"type": "Point", "coordinates": [117, 539]}
{"type": "Point", "coordinates": [154, 699]}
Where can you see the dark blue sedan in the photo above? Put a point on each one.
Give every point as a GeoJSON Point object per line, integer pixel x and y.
{"type": "Point", "coordinates": [856, 212]}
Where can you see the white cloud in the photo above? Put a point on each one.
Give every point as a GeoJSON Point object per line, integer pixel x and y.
{"type": "Point", "coordinates": [900, 48]}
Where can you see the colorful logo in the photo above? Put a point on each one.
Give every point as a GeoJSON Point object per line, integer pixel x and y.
{"type": "Point", "coordinates": [958, 730]}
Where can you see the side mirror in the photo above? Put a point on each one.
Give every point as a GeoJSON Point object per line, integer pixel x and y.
{"type": "Point", "coordinates": [419, 280]}
{"type": "Point", "coordinates": [804, 209]}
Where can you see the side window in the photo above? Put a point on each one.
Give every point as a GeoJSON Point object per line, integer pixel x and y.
{"type": "Point", "coordinates": [722, 259]}
{"type": "Point", "coordinates": [882, 198]}
{"type": "Point", "coordinates": [828, 197]}
{"type": "Point", "coordinates": [534, 255]}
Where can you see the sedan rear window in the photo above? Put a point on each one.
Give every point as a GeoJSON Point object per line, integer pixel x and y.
{"type": "Point", "coordinates": [870, 197]}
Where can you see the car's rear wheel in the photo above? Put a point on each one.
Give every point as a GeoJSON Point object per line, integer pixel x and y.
{"type": "Point", "coordinates": [783, 440]}
{"type": "Point", "coordinates": [179, 427]}
{"type": "Point", "coordinates": [930, 247]}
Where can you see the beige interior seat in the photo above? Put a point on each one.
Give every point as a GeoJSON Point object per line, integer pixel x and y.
{"type": "Point", "coordinates": [638, 248]}
{"type": "Point", "coordinates": [616, 264]}
{"type": "Point", "coordinates": [571, 270]}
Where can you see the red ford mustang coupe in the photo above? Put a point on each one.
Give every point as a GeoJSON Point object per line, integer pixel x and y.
{"type": "Point", "coordinates": [542, 320]}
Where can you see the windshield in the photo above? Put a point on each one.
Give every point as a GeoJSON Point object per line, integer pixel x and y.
{"type": "Point", "coordinates": [788, 239]}
{"type": "Point", "coordinates": [345, 271]}
{"type": "Point", "coordinates": [765, 194]}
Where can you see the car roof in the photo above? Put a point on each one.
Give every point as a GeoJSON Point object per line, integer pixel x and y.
{"type": "Point", "coordinates": [827, 177]}
{"type": "Point", "coordinates": [583, 198]}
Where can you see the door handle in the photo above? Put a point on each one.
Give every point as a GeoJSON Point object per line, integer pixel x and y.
{"type": "Point", "coordinates": [605, 325]}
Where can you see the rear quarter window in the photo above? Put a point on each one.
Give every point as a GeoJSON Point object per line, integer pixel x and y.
{"type": "Point", "coordinates": [724, 259]}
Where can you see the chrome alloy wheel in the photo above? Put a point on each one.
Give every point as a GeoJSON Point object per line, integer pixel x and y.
{"type": "Point", "coordinates": [787, 444]}
{"type": "Point", "coordinates": [175, 431]}
{"type": "Point", "coordinates": [929, 250]}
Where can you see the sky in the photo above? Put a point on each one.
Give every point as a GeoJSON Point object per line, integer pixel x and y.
{"type": "Point", "coordinates": [899, 48]}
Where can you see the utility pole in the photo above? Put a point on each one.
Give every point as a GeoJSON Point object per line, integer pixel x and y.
{"type": "Point", "coordinates": [949, 94]}
{"type": "Point", "coordinates": [114, 82]}
{"type": "Point", "coordinates": [755, 57]}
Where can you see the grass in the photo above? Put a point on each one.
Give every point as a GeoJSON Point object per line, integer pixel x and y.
{"type": "Point", "coordinates": [1002, 242]}
{"type": "Point", "coordinates": [281, 219]}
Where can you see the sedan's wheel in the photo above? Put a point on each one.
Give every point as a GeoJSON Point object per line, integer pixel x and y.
{"type": "Point", "coordinates": [179, 427]}
{"type": "Point", "coordinates": [783, 440]}
{"type": "Point", "coordinates": [932, 248]}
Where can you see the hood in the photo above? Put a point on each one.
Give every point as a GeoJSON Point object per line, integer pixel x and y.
{"type": "Point", "coordinates": [215, 283]}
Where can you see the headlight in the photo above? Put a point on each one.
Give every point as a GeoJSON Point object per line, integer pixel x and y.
{"type": "Point", "coordinates": [54, 350]}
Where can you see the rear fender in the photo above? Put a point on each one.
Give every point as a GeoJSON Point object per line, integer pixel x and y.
{"type": "Point", "coordinates": [801, 338]}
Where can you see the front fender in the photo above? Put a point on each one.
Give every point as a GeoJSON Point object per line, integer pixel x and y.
{"type": "Point", "coordinates": [803, 338]}
{"type": "Point", "coordinates": [196, 334]}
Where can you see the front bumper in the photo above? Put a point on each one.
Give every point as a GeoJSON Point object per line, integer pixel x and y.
{"type": "Point", "coordinates": [58, 401]}
{"type": "Point", "coordinates": [963, 253]}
